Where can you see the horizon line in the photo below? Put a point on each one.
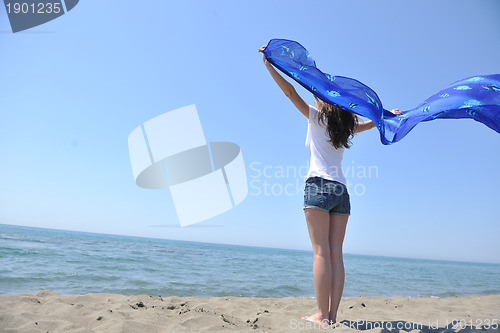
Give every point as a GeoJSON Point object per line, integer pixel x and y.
{"type": "Point", "coordinates": [246, 245]}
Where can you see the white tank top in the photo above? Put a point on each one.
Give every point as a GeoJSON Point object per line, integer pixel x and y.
{"type": "Point", "coordinates": [326, 160]}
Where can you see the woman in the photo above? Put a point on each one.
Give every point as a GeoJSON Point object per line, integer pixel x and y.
{"type": "Point", "coordinates": [326, 200]}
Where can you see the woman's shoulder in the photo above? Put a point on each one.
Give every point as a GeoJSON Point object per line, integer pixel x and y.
{"type": "Point", "coordinates": [313, 112]}
{"type": "Point", "coordinates": [313, 108]}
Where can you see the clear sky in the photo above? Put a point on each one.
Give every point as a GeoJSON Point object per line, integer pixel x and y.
{"type": "Point", "coordinates": [73, 89]}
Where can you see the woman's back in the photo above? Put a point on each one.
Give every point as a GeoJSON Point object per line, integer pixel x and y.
{"type": "Point", "coordinates": [326, 160]}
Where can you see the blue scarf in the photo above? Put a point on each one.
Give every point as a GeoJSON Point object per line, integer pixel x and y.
{"type": "Point", "coordinates": [476, 97]}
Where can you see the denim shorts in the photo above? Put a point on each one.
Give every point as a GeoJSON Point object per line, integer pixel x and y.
{"type": "Point", "coordinates": [326, 195]}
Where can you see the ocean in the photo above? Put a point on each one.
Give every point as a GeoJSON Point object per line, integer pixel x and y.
{"type": "Point", "coordinates": [68, 262]}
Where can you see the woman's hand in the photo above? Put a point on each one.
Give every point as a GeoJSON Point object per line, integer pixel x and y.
{"type": "Point", "coordinates": [263, 56]}
{"type": "Point", "coordinates": [396, 111]}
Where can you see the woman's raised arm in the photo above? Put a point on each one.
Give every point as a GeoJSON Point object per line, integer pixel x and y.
{"type": "Point", "coordinates": [286, 87]}
{"type": "Point", "coordinates": [366, 125]}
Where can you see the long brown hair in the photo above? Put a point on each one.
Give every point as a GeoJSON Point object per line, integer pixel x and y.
{"type": "Point", "coordinates": [339, 122]}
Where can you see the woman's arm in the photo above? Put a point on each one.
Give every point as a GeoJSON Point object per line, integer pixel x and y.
{"type": "Point", "coordinates": [286, 87]}
{"type": "Point", "coordinates": [366, 125]}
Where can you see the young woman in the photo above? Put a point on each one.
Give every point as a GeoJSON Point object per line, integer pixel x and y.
{"type": "Point", "coordinates": [326, 200]}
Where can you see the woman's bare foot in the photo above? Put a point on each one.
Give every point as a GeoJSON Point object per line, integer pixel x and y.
{"type": "Point", "coordinates": [318, 318]}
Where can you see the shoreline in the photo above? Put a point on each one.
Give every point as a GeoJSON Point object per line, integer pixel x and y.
{"type": "Point", "coordinates": [47, 311]}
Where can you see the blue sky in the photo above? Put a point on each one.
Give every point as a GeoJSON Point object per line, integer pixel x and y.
{"type": "Point", "coordinates": [74, 88]}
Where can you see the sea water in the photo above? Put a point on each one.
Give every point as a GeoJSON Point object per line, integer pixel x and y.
{"type": "Point", "coordinates": [68, 262]}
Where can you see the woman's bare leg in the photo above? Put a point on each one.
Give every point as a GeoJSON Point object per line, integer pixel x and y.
{"type": "Point", "coordinates": [318, 224]}
{"type": "Point", "coordinates": [338, 225]}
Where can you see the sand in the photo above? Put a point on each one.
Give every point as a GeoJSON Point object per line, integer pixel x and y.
{"type": "Point", "coordinates": [46, 311]}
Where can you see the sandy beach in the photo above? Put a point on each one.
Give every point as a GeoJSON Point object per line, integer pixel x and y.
{"type": "Point", "coordinates": [46, 311]}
